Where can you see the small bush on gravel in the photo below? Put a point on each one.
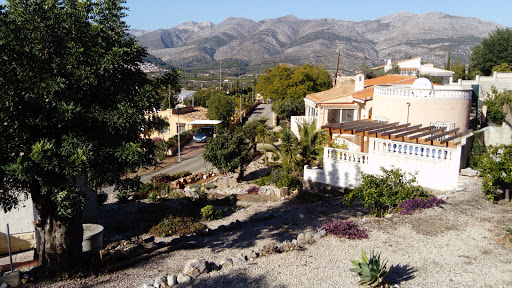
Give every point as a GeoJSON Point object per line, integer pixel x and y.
{"type": "Point", "coordinates": [344, 229]}
{"type": "Point", "coordinates": [180, 174]}
{"type": "Point", "coordinates": [209, 213]}
{"type": "Point", "coordinates": [382, 193]}
{"type": "Point", "coordinates": [176, 226]}
{"type": "Point", "coordinates": [410, 206]}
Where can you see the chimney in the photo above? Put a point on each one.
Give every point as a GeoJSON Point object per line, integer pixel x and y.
{"type": "Point", "coordinates": [359, 82]}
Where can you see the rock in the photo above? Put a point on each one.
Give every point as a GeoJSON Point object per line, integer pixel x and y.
{"type": "Point", "coordinates": [294, 241]}
{"type": "Point", "coordinates": [253, 254]}
{"type": "Point", "coordinates": [190, 192]}
{"type": "Point", "coordinates": [469, 172]}
{"type": "Point", "coordinates": [172, 280]}
{"type": "Point", "coordinates": [4, 285]}
{"type": "Point", "coordinates": [322, 232]}
{"type": "Point", "coordinates": [317, 236]}
{"type": "Point", "coordinates": [148, 284]}
{"type": "Point", "coordinates": [183, 278]}
{"type": "Point", "coordinates": [160, 281]}
{"type": "Point", "coordinates": [300, 238]}
{"type": "Point", "coordinates": [388, 215]}
{"type": "Point", "coordinates": [194, 267]}
{"type": "Point", "coordinates": [226, 262]}
{"type": "Point", "coordinates": [149, 239]}
{"type": "Point", "coordinates": [308, 237]}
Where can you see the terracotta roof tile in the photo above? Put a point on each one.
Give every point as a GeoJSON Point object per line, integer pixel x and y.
{"type": "Point", "coordinates": [344, 89]}
{"type": "Point", "coordinates": [388, 79]}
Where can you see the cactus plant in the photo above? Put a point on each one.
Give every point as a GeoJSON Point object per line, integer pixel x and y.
{"type": "Point", "coordinates": [371, 271]}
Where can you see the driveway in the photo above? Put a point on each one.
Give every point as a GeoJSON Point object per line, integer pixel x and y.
{"type": "Point", "coordinates": [262, 111]}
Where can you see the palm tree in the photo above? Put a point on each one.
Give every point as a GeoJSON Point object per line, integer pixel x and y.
{"type": "Point", "coordinates": [311, 143]}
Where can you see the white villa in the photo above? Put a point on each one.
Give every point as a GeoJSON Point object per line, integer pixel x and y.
{"type": "Point", "coordinates": [417, 127]}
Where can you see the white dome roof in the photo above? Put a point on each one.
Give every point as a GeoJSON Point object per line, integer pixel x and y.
{"type": "Point", "coordinates": [422, 83]}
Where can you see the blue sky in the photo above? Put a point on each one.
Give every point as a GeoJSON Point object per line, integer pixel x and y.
{"type": "Point", "coordinates": [155, 14]}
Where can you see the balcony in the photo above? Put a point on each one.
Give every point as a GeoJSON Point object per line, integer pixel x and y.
{"type": "Point", "coordinates": [407, 91]}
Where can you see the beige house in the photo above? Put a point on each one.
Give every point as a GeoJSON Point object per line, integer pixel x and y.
{"type": "Point", "coordinates": [347, 101]}
{"type": "Point", "coordinates": [179, 120]}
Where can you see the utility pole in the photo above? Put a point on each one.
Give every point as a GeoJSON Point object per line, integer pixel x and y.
{"type": "Point", "coordinates": [179, 143]}
{"type": "Point", "coordinates": [337, 66]}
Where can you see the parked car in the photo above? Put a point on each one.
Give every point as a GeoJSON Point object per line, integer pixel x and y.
{"type": "Point", "coordinates": [203, 134]}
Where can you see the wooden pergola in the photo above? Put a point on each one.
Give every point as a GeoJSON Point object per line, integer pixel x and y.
{"type": "Point", "coordinates": [398, 132]}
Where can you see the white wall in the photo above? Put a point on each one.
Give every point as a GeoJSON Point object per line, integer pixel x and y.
{"type": "Point", "coordinates": [437, 167]}
{"type": "Point", "coordinates": [20, 220]}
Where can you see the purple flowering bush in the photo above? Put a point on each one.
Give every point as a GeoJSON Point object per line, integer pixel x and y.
{"type": "Point", "coordinates": [253, 190]}
{"type": "Point", "coordinates": [344, 229]}
{"type": "Point", "coordinates": [410, 206]}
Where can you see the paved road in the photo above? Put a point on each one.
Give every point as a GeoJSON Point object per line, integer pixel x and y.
{"type": "Point", "coordinates": [192, 160]}
{"type": "Point", "coordinates": [262, 111]}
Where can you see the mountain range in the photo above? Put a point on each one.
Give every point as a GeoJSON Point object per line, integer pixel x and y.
{"type": "Point", "coordinates": [288, 39]}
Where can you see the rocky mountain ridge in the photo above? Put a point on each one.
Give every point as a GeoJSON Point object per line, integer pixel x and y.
{"type": "Point", "coordinates": [297, 41]}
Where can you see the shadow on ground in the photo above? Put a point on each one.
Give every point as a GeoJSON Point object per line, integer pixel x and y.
{"type": "Point", "coordinates": [400, 273]}
{"type": "Point", "coordinates": [235, 279]}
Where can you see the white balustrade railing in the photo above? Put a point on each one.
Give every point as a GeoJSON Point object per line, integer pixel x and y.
{"type": "Point", "coordinates": [423, 93]}
{"type": "Point", "coordinates": [346, 156]}
{"type": "Point", "coordinates": [303, 119]}
{"type": "Point", "coordinates": [413, 150]}
{"type": "Point", "coordinates": [504, 75]}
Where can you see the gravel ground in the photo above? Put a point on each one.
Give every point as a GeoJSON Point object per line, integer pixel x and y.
{"type": "Point", "coordinates": [456, 245]}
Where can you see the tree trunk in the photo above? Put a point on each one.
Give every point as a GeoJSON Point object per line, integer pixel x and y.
{"type": "Point", "coordinates": [61, 244]}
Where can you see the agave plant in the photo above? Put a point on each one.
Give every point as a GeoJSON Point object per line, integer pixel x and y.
{"type": "Point", "coordinates": [371, 271]}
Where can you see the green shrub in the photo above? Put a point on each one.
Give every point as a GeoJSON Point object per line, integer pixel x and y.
{"type": "Point", "coordinates": [176, 226]}
{"type": "Point", "coordinates": [495, 102]}
{"type": "Point", "coordinates": [173, 194]}
{"type": "Point", "coordinates": [281, 178]}
{"type": "Point", "coordinates": [181, 174]}
{"type": "Point", "coordinates": [123, 196]}
{"type": "Point", "coordinates": [209, 213]}
{"type": "Point", "coordinates": [382, 193]}
{"type": "Point", "coordinates": [496, 170]}
{"type": "Point", "coordinates": [370, 271]}
{"type": "Point", "coordinates": [126, 187]}
{"type": "Point", "coordinates": [153, 196]}
{"type": "Point", "coordinates": [476, 153]}
{"type": "Point", "coordinates": [144, 190]}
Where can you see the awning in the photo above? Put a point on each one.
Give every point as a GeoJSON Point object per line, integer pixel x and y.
{"type": "Point", "coordinates": [205, 122]}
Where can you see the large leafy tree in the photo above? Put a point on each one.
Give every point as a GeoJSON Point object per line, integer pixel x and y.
{"type": "Point", "coordinates": [221, 107]}
{"type": "Point", "coordinates": [228, 152]}
{"type": "Point", "coordinates": [72, 103]}
{"type": "Point", "coordinates": [494, 50]}
{"type": "Point", "coordinates": [287, 86]}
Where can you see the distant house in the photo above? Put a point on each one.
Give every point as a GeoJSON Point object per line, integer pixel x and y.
{"type": "Point", "coordinates": [416, 68]}
{"type": "Point", "coordinates": [179, 120]}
